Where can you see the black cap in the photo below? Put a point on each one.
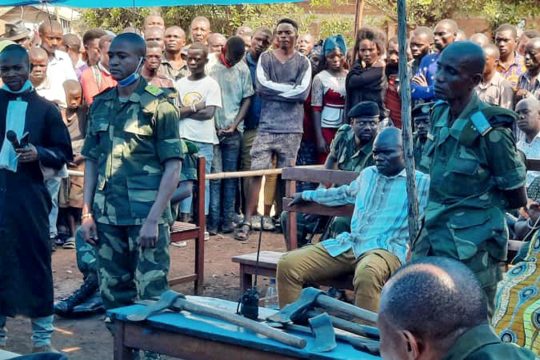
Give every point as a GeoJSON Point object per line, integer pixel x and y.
{"type": "Point", "coordinates": [364, 109]}
{"type": "Point", "coordinates": [422, 110]}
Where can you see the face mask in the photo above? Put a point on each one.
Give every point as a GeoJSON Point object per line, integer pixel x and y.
{"type": "Point", "coordinates": [131, 78]}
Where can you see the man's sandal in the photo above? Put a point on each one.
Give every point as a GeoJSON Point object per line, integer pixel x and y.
{"type": "Point", "coordinates": [243, 231]}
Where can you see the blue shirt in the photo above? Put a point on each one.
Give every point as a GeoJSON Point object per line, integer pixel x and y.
{"type": "Point", "coordinates": [380, 213]}
{"type": "Point", "coordinates": [251, 121]}
{"type": "Point", "coordinates": [428, 68]}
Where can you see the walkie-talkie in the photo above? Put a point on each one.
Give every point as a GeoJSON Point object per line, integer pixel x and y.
{"type": "Point", "coordinates": [249, 302]}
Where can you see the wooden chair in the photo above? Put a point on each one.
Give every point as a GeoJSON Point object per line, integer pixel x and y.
{"type": "Point", "coordinates": [292, 175]}
{"type": "Point", "coordinates": [181, 231]}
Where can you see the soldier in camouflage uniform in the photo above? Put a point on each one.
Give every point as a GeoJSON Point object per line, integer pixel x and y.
{"type": "Point", "coordinates": [476, 172]}
{"type": "Point", "coordinates": [420, 115]}
{"type": "Point", "coordinates": [351, 150]}
{"type": "Point", "coordinates": [133, 158]}
{"type": "Point", "coordinates": [86, 299]}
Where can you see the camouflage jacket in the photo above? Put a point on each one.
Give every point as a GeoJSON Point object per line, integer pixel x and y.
{"type": "Point", "coordinates": [345, 150]}
{"type": "Point", "coordinates": [130, 140]}
{"type": "Point", "coordinates": [471, 163]}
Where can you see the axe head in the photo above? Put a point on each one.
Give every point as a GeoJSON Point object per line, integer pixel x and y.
{"type": "Point", "coordinates": [297, 309]}
{"type": "Point", "coordinates": [323, 330]}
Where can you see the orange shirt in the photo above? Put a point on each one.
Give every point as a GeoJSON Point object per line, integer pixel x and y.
{"type": "Point", "coordinates": [93, 81]}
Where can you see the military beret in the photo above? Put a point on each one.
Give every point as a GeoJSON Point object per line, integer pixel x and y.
{"type": "Point", "coordinates": [421, 110]}
{"type": "Point", "coordinates": [364, 109]}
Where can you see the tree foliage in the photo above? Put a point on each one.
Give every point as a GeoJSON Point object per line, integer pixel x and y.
{"type": "Point", "coordinates": [226, 19]}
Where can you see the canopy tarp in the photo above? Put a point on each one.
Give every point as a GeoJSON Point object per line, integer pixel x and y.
{"type": "Point", "coordinates": [135, 3]}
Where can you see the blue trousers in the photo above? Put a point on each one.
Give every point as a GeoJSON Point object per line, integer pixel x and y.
{"type": "Point", "coordinates": [223, 192]}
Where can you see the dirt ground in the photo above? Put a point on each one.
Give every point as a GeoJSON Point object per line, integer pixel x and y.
{"type": "Point", "coordinates": [83, 339]}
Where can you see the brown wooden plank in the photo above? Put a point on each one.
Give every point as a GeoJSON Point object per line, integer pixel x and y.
{"type": "Point", "coordinates": [318, 209]}
{"type": "Point", "coordinates": [337, 177]}
{"type": "Point", "coordinates": [182, 279]}
{"type": "Point", "coordinates": [266, 258]}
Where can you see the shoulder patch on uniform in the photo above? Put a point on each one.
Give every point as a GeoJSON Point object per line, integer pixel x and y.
{"type": "Point", "coordinates": [344, 127]}
{"type": "Point", "coordinates": [154, 90]}
{"type": "Point", "coordinates": [481, 123]}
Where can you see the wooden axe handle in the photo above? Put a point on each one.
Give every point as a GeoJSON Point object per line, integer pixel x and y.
{"type": "Point", "coordinates": [330, 303]}
{"type": "Point", "coordinates": [269, 332]}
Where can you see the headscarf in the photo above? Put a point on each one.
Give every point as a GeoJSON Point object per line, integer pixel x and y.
{"type": "Point", "coordinates": [334, 42]}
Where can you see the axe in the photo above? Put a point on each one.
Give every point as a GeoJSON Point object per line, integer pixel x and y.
{"type": "Point", "coordinates": [177, 302]}
{"type": "Point", "coordinates": [320, 326]}
{"type": "Point", "coordinates": [310, 298]}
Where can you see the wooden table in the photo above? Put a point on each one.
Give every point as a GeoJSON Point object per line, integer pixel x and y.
{"type": "Point", "coordinates": [189, 336]}
{"type": "Point", "coordinates": [267, 266]}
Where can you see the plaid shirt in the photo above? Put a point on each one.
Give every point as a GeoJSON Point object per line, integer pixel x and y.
{"type": "Point", "coordinates": [532, 85]}
{"type": "Point", "coordinates": [380, 213]}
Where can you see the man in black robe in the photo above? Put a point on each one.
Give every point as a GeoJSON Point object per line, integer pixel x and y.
{"type": "Point", "coordinates": [26, 284]}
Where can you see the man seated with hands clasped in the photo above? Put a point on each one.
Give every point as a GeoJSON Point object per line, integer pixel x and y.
{"type": "Point", "coordinates": [379, 239]}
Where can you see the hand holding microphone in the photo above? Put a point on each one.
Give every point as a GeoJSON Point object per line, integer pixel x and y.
{"type": "Point", "coordinates": [26, 152]}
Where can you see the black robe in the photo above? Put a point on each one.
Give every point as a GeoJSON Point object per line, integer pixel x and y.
{"type": "Point", "coordinates": [26, 285]}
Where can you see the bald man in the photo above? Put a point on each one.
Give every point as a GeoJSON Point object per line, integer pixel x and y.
{"type": "Point", "coordinates": [173, 64]}
{"type": "Point", "coordinates": [133, 129]}
{"type": "Point", "coordinates": [44, 85]}
{"type": "Point", "coordinates": [200, 29]}
{"type": "Point", "coordinates": [476, 172]}
{"type": "Point", "coordinates": [444, 34]}
{"type": "Point", "coordinates": [494, 89]}
{"type": "Point", "coordinates": [216, 42]}
{"type": "Point", "coordinates": [379, 239]}
{"type": "Point", "coordinates": [434, 309]}
{"type": "Point", "coordinates": [528, 122]}
{"type": "Point", "coordinates": [25, 258]}
{"type": "Point", "coordinates": [529, 82]}
{"type": "Point", "coordinates": [155, 34]}
{"type": "Point", "coordinates": [154, 21]}
{"type": "Point", "coordinates": [305, 44]}
{"type": "Point", "coordinates": [480, 39]}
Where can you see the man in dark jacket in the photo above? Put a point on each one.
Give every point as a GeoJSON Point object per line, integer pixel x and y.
{"type": "Point", "coordinates": [26, 284]}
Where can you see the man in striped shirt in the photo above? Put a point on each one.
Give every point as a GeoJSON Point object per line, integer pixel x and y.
{"type": "Point", "coordinates": [379, 239]}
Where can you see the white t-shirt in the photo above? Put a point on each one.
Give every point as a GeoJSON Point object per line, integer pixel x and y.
{"type": "Point", "coordinates": [192, 92]}
{"type": "Point", "coordinates": [531, 151]}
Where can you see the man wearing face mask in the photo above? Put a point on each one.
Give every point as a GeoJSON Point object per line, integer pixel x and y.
{"type": "Point", "coordinates": [133, 159]}
{"type": "Point", "coordinates": [378, 242]}
{"type": "Point", "coordinates": [25, 255]}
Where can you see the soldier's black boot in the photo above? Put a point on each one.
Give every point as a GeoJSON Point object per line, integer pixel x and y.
{"type": "Point", "coordinates": [87, 289]}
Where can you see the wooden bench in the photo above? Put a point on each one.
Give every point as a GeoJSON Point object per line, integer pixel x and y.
{"type": "Point", "coordinates": [181, 231]}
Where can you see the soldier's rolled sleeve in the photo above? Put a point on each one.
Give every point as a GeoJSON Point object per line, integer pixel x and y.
{"type": "Point", "coordinates": [168, 137]}
{"type": "Point", "coordinates": [507, 167]}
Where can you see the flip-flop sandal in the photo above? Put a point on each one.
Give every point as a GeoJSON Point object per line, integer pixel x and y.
{"type": "Point", "coordinates": [242, 234]}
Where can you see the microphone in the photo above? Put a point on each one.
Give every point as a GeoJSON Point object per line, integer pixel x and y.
{"type": "Point", "coordinates": [12, 138]}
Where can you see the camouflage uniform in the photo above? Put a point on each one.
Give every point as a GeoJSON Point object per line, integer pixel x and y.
{"type": "Point", "coordinates": [480, 342]}
{"type": "Point", "coordinates": [418, 149]}
{"type": "Point", "coordinates": [470, 165]}
{"type": "Point", "coordinates": [129, 141]}
{"type": "Point", "coordinates": [345, 150]}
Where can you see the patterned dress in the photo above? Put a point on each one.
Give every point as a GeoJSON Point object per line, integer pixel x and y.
{"type": "Point", "coordinates": [517, 314]}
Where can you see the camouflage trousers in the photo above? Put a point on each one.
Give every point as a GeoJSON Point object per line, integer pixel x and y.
{"type": "Point", "coordinates": [86, 256]}
{"type": "Point", "coordinates": [126, 271]}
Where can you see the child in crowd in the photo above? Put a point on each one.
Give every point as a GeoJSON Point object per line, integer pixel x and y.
{"type": "Point", "coordinates": [71, 195]}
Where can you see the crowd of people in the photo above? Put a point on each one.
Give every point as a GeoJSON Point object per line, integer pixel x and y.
{"type": "Point", "coordinates": [133, 110]}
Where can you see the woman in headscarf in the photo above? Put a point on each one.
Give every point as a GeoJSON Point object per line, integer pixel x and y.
{"type": "Point", "coordinates": [328, 94]}
{"type": "Point", "coordinates": [367, 80]}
